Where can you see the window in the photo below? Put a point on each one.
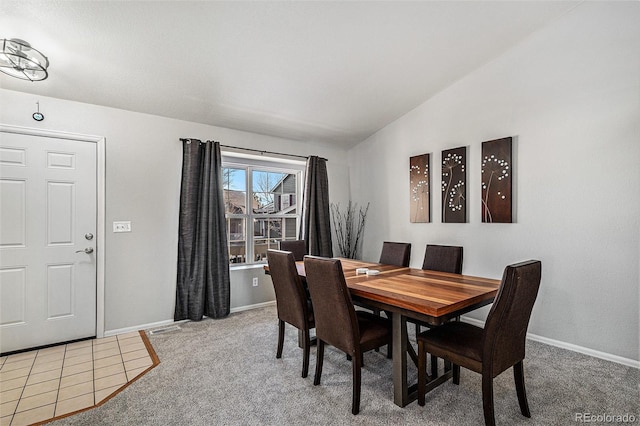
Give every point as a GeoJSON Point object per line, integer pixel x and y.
{"type": "Point", "coordinates": [261, 206]}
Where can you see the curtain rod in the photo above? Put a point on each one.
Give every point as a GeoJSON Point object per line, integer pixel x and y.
{"type": "Point", "coordinates": [262, 151]}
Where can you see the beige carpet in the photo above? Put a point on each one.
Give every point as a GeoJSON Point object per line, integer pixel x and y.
{"type": "Point", "coordinates": [225, 372]}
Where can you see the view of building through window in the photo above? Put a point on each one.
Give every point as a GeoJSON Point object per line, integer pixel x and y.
{"type": "Point", "coordinates": [261, 207]}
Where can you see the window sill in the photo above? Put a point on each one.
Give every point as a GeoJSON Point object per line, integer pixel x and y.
{"type": "Point", "coordinates": [246, 266]}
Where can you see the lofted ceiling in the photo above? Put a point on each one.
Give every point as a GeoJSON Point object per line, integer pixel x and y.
{"type": "Point", "coordinates": [334, 71]}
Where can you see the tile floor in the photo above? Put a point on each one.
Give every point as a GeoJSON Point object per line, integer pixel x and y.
{"type": "Point", "coordinates": [42, 384]}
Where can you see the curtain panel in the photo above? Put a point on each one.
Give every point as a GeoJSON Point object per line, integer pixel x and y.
{"type": "Point", "coordinates": [316, 229]}
{"type": "Point", "coordinates": [203, 281]}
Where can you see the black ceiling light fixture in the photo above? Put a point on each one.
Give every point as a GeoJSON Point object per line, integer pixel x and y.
{"type": "Point", "coordinates": [18, 59]}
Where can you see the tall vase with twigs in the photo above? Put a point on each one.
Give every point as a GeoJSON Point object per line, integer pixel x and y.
{"type": "Point", "coordinates": [348, 226]}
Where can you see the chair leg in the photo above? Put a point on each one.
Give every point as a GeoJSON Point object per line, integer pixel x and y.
{"type": "Point", "coordinates": [357, 370]}
{"type": "Point", "coordinates": [376, 312]}
{"type": "Point", "coordinates": [518, 375]}
{"type": "Point", "coordinates": [362, 360]}
{"type": "Point", "coordinates": [487, 400]}
{"type": "Point", "coordinates": [319, 359]}
{"type": "Point", "coordinates": [456, 374]}
{"type": "Point", "coordinates": [306, 349]}
{"type": "Point", "coordinates": [280, 338]}
{"type": "Point", "coordinates": [422, 373]}
{"type": "Point", "coordinates": [434, 366]}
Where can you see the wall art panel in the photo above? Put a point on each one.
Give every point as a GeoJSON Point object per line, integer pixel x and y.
{"type": "Point", "coordinates": [497, 171]}
{"type": "Point", "coordinates": [420, 185]}
{"type": "Point", "coordinates": [454, 185]}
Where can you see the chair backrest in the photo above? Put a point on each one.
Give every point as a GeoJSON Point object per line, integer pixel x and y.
{"type": "Point", "coordinates": [443, 258]}
{"type": "Point", "coordinates": [395, 253]}
{"type": "Point", "coordinates": [505, 330]}
{"type": "Point", "coordinates": [335, 316]}
{"type": "Point", "coordinates": [296, 247]}
{"type": "Point", "coordinates": [291, 298]}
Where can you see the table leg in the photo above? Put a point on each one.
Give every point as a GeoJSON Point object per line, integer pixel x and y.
{"type": "Point", "coordinates": [403, 393]}
{"type": "Point", "coordinates": [400, 384]}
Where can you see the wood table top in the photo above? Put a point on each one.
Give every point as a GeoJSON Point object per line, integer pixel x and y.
{"type": "Point", "coordinates": [431, 293]}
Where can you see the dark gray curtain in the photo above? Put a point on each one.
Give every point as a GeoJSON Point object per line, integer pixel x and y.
{"type": "Point", "coordinates": [203, 260]}
{"type": "Point", "coordinates": [316, 225]}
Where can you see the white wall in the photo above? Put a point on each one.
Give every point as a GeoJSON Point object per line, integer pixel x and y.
{"type": "Point", "coordinates": [570, 96]}
{"type": "Point", "coordinates": [143, 165]}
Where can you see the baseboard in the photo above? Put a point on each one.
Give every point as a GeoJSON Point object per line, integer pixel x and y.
{"type": "Point", "coordinates": [115, 332]}
{"type": "Point", "coordinates": [569, 346]}
{"type": "Point", "coordinates": [141, 327]}
{"type": "Point", "coordinates": [256, 306]}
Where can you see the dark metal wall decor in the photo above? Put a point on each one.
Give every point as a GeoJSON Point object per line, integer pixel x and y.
{"type": "Point", "coordinates": [454, 189]}
{"type": "Point", "coordinates": [496, 181]}
{"type": "Point", "coordinates": [420, 185]}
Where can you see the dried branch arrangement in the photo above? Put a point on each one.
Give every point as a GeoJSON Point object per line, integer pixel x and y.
{"type": "Point", "coordinates": [348, 226]}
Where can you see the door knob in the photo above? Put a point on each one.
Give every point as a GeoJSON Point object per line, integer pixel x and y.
{"type": "Point", "coordinates": [88, 250]}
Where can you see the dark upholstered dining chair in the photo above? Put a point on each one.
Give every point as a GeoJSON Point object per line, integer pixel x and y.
{"type": "Point", "coordinates": [291, 301]}
{"type": "Point", "coordinates": [338, 323]}
{"type": "Point", "coordinates": [393, 253]}
{"type": "Point", "coordinates": [296, 247]}
{"type": "Point", "coordinates": [443, 258]}
{"type": "Point", "coordinates": [492, 350]}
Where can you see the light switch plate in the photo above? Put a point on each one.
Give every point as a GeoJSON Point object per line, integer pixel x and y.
{"type": "Point", "coordinates": [124, 226]}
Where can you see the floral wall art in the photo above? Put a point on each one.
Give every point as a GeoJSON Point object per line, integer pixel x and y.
{"type": "Point", "coordinates": [497, 171]}
{"type": "Point", "coordinates": [454, 190]}
{"type": "Point", "coordinates": [419, 185]}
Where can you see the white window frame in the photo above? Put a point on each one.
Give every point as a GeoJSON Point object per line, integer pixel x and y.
{"type": "Point", "coordinates": [249, 163]}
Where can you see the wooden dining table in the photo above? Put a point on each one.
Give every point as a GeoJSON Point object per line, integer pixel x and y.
{"type": "Point", "coordinates": [428, 296]}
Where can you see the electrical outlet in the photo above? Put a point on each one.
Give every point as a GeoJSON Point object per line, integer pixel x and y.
{"type": "Point", "coordinates": [122, 226]}
{"type": "Point", "coordinates": [255, 281]}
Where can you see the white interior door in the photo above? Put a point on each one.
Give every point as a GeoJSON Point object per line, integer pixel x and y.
{"type": "Point", "coordinates": [48, 207]}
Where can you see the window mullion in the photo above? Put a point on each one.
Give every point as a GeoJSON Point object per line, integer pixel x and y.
{"type": "Point", "coordinates": [249, 223]}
